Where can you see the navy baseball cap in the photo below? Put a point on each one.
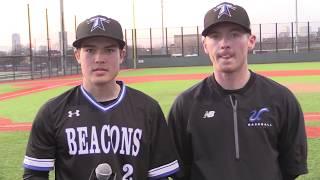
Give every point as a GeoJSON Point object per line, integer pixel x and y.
{"type": "Point", "coordinates": [99, 26]}
{"type": "Point", "coordinates": [226, 12]}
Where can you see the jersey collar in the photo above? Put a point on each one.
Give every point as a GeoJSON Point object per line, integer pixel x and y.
{"type": "Point", "coordinates": [96, 104]}
{"type": "Point", "coordinates": [215, 86]}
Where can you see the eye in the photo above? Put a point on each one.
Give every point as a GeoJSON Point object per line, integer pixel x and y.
{"type": "Point", "coordinates": [89, 50]}
{"type": "Point", "coordinates": [235, 34]}
{"type": "Point", "coordinates": [214, 36]}
{"type": "Point", "coordinates": [110, 50]}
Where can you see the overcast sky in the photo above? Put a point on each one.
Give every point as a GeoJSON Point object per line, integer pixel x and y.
{"type": "Point", "coordinates": [177, 13]}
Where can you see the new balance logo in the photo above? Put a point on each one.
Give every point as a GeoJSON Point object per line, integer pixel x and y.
{"type": "Point", "coordinates": [75, 113]}
{"type": "Point", "coordinates": [208, 114]}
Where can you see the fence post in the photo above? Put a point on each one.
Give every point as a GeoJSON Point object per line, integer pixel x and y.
{"type": "Point", "coordinates": [48, 44]}
{"type": "Point", "coordinates": [260, 34]}
{"type": "Point", "coordinates": [292, 38]}
{"type": "Point", "coordinates": [182, 47]}
{"type": "Point", "coordinates": [134, 47]}
{"type": "Point", "coordinates": [308, 36]}
{"type": "Point", "coordinates": [198, 43]}
{"type": "Point", "coordinates": [276, 37]}
{"type": "Point", "coordinates": [167, 50]}
{"type": "Point", "coordinates": [150, 37]}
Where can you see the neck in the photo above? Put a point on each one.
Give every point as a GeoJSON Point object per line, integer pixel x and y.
{"type": "Point", "coordinates": [234, 80]}
{"type": "Point", "coordinates": [105, 92]}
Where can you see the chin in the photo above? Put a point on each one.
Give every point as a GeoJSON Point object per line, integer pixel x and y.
{"type": "Point", "coordinates": [100, 81]}
{"type": "Point", "coordinates": [226, 69]}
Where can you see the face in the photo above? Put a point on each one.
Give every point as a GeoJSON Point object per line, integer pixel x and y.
{"type": "Point", "coordinates": [100, 60]}
{"type": "Point", "coordinates": [227, 45]}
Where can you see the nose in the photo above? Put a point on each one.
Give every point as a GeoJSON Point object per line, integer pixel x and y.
{"type": "Point", "coordinates": [225, 43]}
{"type": "Point", "coordinates": [100, 58]}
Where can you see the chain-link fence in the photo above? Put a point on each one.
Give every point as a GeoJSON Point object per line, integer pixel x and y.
{"type": "Point", "coordinates": [41, 56]}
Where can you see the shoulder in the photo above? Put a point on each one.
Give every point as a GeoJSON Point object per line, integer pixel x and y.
{"type": "Point", "coordinates": [57, 103]}
{"type": "Point", "coordinates": [273, 88]}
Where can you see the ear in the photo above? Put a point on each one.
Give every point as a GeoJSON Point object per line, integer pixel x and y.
{"type": "Point", "coordinates": [204, 44]}
{"type": "Point", "coordinates": [251, 42]}
{"type": "Point", "coordinates": [122, 55]}
{"type": "Point", "coordinates": [77, 55]}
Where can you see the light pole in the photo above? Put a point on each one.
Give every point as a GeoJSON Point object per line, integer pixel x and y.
{"type": "Point", "coordinates": [134, 35]}
{"type": "Point", "coordinates": [62, 36]}
{"type": "Point", "coordinates": [162, 28]}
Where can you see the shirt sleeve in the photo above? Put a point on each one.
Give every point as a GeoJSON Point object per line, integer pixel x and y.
{"type": "Point", "coordinates": [35, 175]}
{"type": "Point", "coordinates": [293, 140]}
{"type": "Point", "coordinates": [178, 127]}
{"type": "Point", "coordinates": [40, 153]}
{"type": "Point", "coordinates": [163, 159]}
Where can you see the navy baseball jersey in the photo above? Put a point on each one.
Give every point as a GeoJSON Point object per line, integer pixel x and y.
{"type": "Point", "coordinates": [74, 134]}
{"type": "Point", "coordinates": [256, 132]}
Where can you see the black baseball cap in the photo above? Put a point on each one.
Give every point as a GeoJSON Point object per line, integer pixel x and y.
{"type": "Point", "coordinates": [226, 12]}
{"type": "Point", "coordinates": [99, 26]}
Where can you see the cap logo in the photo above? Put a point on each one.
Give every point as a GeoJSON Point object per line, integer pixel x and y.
{"type": "Point", "coordinates": [97, 23]}
{"type": "Point", "coordinates": [224, 9]}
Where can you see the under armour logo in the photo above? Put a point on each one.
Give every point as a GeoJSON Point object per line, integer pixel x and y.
{"type": "Point", "coordinates": [76, 113]}
{"type": "Point", "coordinates": [208, 114]}
{"type": "Point", "coordinates": [256, 115]}
{"type": "Point", "coordinates": [224, 9]}
{"type": "Point", "coordinates": [97, 23]}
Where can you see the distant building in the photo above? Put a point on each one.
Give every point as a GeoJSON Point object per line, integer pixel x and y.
{"type": "Point", "coordinates": [284, 32]}
{"type": "Point", "coordinates": [187, 42]}
{"type": "Point", "coordinates": [303, 31]}
{"type": "Point", "coordinates": [16, 44]}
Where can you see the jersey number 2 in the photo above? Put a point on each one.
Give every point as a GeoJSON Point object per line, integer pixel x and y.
{"type": "Point", "coordinates": [128, 169]}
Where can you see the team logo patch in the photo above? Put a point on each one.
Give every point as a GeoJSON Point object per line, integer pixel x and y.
{"type": "Point", "coordinates": [208, 114]}
{"type": "Point", "coordinates": [255, 118]}
{"type": "Point", "coordinates": [97, 23]}
{"type": "Point", "coordinates": [74, 113]}
{"type": "Point", "coordinates": [224, 9]}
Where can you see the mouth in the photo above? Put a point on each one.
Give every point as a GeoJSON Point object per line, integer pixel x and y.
{"type": "Point", "coordinates": [99, 70]}
{"type": "Point", "coordinates": [225, 55]}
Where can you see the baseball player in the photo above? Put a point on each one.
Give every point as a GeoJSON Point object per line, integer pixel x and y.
{"type": "Point", "coordinates": [237, 124]}
{"type": "Point", "coordinates": [100, 121]}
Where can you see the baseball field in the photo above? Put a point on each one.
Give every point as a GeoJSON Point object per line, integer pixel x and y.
{"type": "Point", "coordinates": [20, 100]}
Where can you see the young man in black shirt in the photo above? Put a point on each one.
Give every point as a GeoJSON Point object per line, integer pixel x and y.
{"type": "Point", "coordinates": [237, 124]}
{"type": "Point", "coordinates": [101, 121]}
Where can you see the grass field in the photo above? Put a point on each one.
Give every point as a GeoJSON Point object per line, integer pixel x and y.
{"type": "Point", "coordinates": [23, 109]}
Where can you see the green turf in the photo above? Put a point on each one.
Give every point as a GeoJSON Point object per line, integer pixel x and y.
{"type": "Point", "coordinates": [285, 66]}
{"type": "Point", "coordinates": [163, 91]}
{"type": "Point", "coordinates": [5, 88]}
{"type": "Point", "coordinates": [13, 145]}
{"type": "Point", "coordinates": [165, 71]}
{"type": "Point", "coordinates": [313, 160]}
{"type": "Point", "coordinates": [313, 123]}
{"type": "Point", "coordinates": [208, 69]}
{"type": "Point", "coordinates": [310, 102]}
{"type": "Point", "coordinates": [298, 79]}
{"type": "Point", "coordinates": [24, 108]}
{"type": "Point", "coordinates": [12, 151]}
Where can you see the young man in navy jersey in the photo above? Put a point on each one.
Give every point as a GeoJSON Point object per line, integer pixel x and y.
{"type": "Point", "coordinates": [236, 124]}
{"type": "Point", "coordinates": [101, 121]}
